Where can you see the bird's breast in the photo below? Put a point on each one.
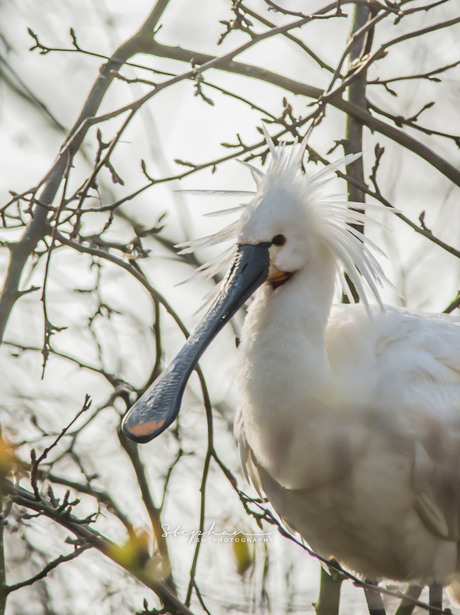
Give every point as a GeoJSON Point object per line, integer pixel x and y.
{"type": "Point", "coordinates": [283, 405]}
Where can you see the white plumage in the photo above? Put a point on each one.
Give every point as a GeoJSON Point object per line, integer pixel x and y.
{"type": "Point", "coordinates": [349, 416]}
{"type": "Point", "coordinates": [352, 430]}
{"type": "Point", "coordinates": [349, 421]}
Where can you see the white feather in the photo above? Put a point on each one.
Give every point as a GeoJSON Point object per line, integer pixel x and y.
{"type": "Point", "coordinates": [353, 250]}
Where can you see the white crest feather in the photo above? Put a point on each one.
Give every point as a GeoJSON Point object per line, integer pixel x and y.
{"type": "Point", "coordinates": [255, 172]}
{"type": "Point", "coordinates": [332, 214]}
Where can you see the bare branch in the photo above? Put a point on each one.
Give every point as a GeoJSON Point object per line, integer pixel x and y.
{"type": "Point", "coordinates": [88, 536]}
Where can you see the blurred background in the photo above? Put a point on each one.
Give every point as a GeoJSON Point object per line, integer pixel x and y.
{"type": "Point", "coordinates": [110, 116]}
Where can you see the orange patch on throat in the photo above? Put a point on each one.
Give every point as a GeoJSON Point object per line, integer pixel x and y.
{"type": "Point", "coordinates": [276, 277]}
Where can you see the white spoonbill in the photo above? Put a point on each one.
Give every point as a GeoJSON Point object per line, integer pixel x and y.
{"type": "Point", "coordinates": [349, 415]}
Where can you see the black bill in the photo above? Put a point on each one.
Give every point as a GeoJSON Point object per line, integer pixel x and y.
{"type": "Point", "coordinates": [160, 404]}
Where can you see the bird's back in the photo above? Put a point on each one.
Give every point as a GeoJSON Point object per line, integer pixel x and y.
{"type": "Point", "coordinates": [404, 363]}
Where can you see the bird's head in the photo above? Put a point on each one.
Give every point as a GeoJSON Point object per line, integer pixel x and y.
{"type": "Point", "coordinates": [281, 215]}
{"type": "Point", "coordinates": [289, 220]}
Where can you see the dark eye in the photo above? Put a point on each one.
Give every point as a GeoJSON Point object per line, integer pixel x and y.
{"type": "Point", "coordinates": [279, 240]}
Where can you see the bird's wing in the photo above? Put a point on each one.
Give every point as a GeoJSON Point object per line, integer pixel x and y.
{"type": "Point", "coordinates": [436, 482]}
{"type": "Point", "coordinates": [248, 461]}
{"type": "Point", "coordinates": [405, 373]}
{"type": "Point", "coordinates": [422, 356]}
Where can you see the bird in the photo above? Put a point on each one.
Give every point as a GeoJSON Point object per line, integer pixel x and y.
{"type": "Point", "coordinates": [349, 414]}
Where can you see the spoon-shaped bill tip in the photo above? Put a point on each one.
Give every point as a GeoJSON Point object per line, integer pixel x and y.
{"type": "Point", "coordinates": [158, 406]}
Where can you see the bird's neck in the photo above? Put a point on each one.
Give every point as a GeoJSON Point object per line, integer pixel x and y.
{"type": "Point", "coordinates": [283, 352]}
{"type": "Point", "coordinates": [294, 314]}
{"type": "Point", "coordinates": [284, 371]}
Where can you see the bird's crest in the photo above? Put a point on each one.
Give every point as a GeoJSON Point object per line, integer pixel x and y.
{"type": "Point", "coordinates": [334, 218]}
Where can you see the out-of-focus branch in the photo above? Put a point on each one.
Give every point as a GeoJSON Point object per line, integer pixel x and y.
{"type": "Point", "coordinates": [112, 379]}
{"type": "Point", "coordinates": [329, 593]}
{"type": "Point", "coordinates": [5, 590]}
{"type": "Point", "coordinates": [130, 269]}
{"type": "Point", "coordinates": [102, 497]}
{"type": "Point", "coordinates": [38, 227]}
{"type": "Point", "coordinates": [204, 478]}
{"type": "Point", "coordinates": [354, 128]}
{"type": "Point", "coordinates": [453, 305]}
{"type": "Point", "coordinates": [14, 81]}
{"type": "Point", "coordinates": [128, 49]}
{"type": "Point", "coordinates": [153, 511]}
{"type": "Point", "coordinates": [86, 535]}
{"type": "Point", "coordinates": [3, 597]}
